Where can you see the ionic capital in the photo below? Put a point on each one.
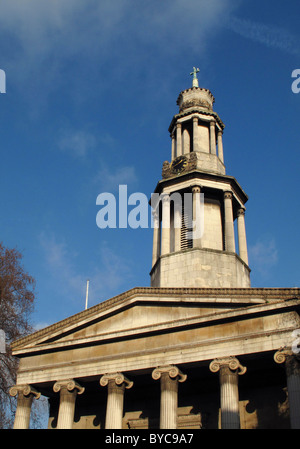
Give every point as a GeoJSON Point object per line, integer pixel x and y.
{"type": "Point", "coordinates": [196, 189]}
{"type": "Point", "coordinates": [241, 211]}
{"type": "Point", "coordinates": [165, 198]}
{"type": "Point", "coordinates": [25, 390]}
{"type": "Point", "coordinates": [231, 362]}
{"type": "Point", "coordinates": [68, 384]}
{"type": "Point", "coordinates": [227, 195]}
{"type": "Point", "coordinates": [118, 378]}
{"type": "Point", "coordinates": [172, 370]}
{"type": "Point", "coordinates": [285, 353]}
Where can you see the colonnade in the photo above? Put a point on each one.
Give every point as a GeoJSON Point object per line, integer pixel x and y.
{"type": "Point", "coordinates": [215, 144]}
{"type": "Point", "coordinates": [162, 228]}
{"type": "Point", "coordinates": [229, 368]}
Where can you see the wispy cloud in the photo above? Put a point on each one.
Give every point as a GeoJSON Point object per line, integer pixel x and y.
{"type": "Point", "coordinates": [105, 277]}
{"type": "Point", "coordinates": [49, 42]}
{"type": "Point", "coordinates": [108, 180]}
{"type": "Point", "coordinates": [263, 256]}
{"type": "Point", "coordinates": [77, 143]}
{"type": "Point", "coordinates": [266, 34]}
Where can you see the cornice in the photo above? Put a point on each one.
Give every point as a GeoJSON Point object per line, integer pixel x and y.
{"type": "Point", "coordinates": [195, 110]}
{"type": "Point", "coordinates": [196, 173]}
{"type": "Point", "coordinates": [261, 295]}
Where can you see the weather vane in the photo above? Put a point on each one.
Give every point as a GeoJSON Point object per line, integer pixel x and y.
{"type": "Point", "coordinates": [195, 79]}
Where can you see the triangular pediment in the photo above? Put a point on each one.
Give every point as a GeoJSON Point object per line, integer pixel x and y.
{"type": "Point", "coordinates": [148, 311]}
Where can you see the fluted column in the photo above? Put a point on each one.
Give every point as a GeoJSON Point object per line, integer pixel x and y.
{"type": "Point", "coordinates": [165, 225]}
{"type": "Point", "coordinates": [213, 148]}
{"type": "Point", "coordinates": [25, 395]}
{"type": "Point", "coordinates": [229, 368]}
{"type": "Point", "coordinates": [156, 237]}
{"type": "Point", "coordinates": [169, 377]}
{"type": "Point", "coordinates": [229, 225]}
{"type": "Point", "coordinates": [178, 140]}
{"type": "Point", "coordinates": [68, 390]}
{"type": "Point", "coordinates": [243, 252]}
{"type": "Point", "coordinates": [220, 146]}
{"type": "Point", "coordinates": [292, 368]}
{"type": "Point", "coordinates": [116, 384]}
{"type": "Point", "coordinates": [195, 134]}
{"type": "Point", "coordinates": [197, 219]}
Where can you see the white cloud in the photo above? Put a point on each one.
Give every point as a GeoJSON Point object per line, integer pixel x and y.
{"type": "Point", "coordinates": [263, 256]}
{"type": "Point", "coordinates": [77, 143]}
{"type": "Point", "coordinates": [70, 280]}
{"type": "Point", "coordinates": [108, 180]}
{"type": "Point", "coordinates": [265, 34]}
{"type": "Point", "coordinates": [48, 39]}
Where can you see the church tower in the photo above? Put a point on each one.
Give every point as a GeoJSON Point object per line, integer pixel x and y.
{"type": "Point", "coordinates": [199, 237]}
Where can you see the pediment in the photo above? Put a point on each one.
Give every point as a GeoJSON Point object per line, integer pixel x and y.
{"type": "Point", "coordinates": [146, 311]}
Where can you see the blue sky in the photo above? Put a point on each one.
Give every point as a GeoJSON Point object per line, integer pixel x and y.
{"type": "Point", "coordinates": [91, 88]}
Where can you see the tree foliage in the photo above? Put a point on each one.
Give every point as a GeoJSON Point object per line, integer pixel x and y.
{"type": "Point", "coordinates": [16, 306]}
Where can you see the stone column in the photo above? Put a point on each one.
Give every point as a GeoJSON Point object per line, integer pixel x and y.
{"type": "Point", "coordinates": [68, 389]}
{"type": "Point", "coordinates": [229, 368]}
{"type": "Point", "coordinates": [292, 368]}
{"type": "Point", "coordinates": [173, 152]}
{"type": "Point", "coordinates": [116, 383]}
{"type": "Point", "coordinates": [156, 237]}
{"type": "Point", "coordinates": [165, 225]}
{"type": "Point", "coordinates": [169, 377]}
{"type": "Point", "coordinates": [197, 219]}
{"type": "Point", "coordinates": [220, 146]}
{"type": "Point", "coordinates": [213, 148]}
{"type": "Point", "coordinates": [25, 395]}
{"type": "Point", "coordinates": [178, 140]}
{"type": "Point", "coordinates": [243, 252]}
{"type": "Point", "coordinates": [195, 134]}
{"type": "Point", "coordinates": [229, 226]}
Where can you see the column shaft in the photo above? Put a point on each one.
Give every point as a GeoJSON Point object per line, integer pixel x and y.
{"type": "Point", "coordinates": [243, 252]}
{"type": "Point", "coordinates": [229, 368]}
{"type": "Point", "coordinates": [116, 383]}
{"type": "Point", "coordinates": [169, 377]}
{"type": "Point", "coordinates": [195, 134]}
{"type": "Point", "coordinates": [173, 152]}
{"type": "Point", "coordinates": [178, 140]}
{"type": "Point", "coordinates": [292, 368]}
{"type": "Point", "coordinates": [213, 148]}
{"type": "Point", "coordinates": [197, 219]}
{"type": "Point", "coordinates": [293, 385]}
{"type": "Point", "coordinates": [66, 408]}
{"type": "Point", "coordinates": [229, 226]}
{"type": "Point", "coordinates": [220, 146]}
{"type": "Point", "coordinates": [25, 395]}
{"type": "Point", "coordinates": [68, 392]}
{"type": "Point", "coordinates": [229, 395]}
{"type": "Point", "coordinates": [115, 402]}
{"type": "Point", "coordinates": [168, 402]}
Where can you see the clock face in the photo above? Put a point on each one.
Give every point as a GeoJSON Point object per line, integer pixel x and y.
{"type": "Point", "coordinates": [179, 164]}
